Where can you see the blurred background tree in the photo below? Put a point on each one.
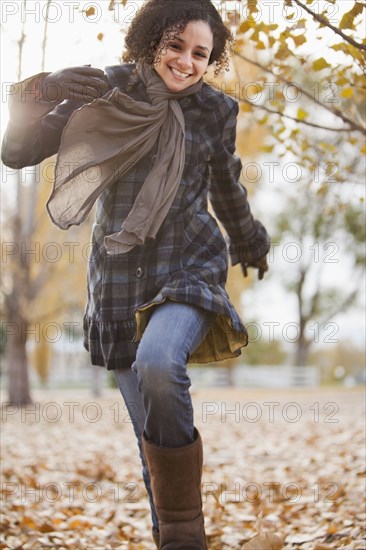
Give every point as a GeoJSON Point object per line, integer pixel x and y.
{"type": "Point", "coordinates": [44, 280]}
{"type": "Point", "coordinates": [320, 225]}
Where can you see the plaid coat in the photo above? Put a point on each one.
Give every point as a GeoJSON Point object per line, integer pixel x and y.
{"type": "Point", "coordinates": [188, 260]}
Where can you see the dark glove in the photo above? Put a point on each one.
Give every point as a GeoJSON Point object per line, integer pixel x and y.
{"type": "Point", "coordinates": [261, 265]}
{"type": "Point", "coordinates": [75, 83]}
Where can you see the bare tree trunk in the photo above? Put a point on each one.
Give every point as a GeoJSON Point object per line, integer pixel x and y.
{"type": "Point", "coordinates": [16, 308]}
{"type": "Point", "coordinates": [18, 300]}
{"type": "Point", "coordinates": [302, 352]}
{"type": "Point", "coordinates": [17, 364]}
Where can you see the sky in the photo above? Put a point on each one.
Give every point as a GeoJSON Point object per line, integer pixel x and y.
{"type": "Point", "coordinates": [72, 41]}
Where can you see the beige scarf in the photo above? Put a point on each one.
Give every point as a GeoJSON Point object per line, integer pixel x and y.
{"type": "Point", "coordinates": [103, 141]}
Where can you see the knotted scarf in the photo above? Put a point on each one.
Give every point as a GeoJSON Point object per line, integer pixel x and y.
{"type": "Point", "coordinates": [102, 142]}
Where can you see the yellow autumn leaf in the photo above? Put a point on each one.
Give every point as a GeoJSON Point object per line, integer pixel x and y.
{"type": "Point", "coordinates": [90, 11]}
{"type": "Point", "coordinates": [348, 49]}
{"type": "Point", "coordinates": [363, 150]}
{"type": "Point", "coordinates": [356, 53]}
{"type": "Point", "coordinates": [28, 522]}
{"type": "Point", "coordinates": [320, 64]}
{"type": "Point", "coordinates": [252, 6]}
{"type": "Point", "coordinates": [245, 107]}
{"type": "Point", "coordinates": [100, 36]}
{"type": "Point", "coordinates": [263, 120]}
{"type": "Point", "coordinates": [267, 148]}
{"type": "Point", "coordinates": [300, 24]}
{"type": "Point", "coordinates": [323, 190]}
{"type": "Point", "coordinates": [299, 40]}
{"type": "Point", "coordinates": [347, 93]}
{"type": "Point", "coordinates": [79, 524]}
{"type": "Point", "coordinates": [301, 114]}
{"type": "Point", "coordinates": [283, 52]}
{"type": "Point", "coordinates": [246, 25]}
{"type": "Point", "coordinates": [337, 47]}
{"type": "Point", "coordinates": [347, 21]}
{"type": "Point", "coordinates": [255, 35]}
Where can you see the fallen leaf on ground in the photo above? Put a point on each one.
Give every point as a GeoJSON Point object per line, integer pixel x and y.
{"type": "Point", "coordinates": [268, 541]}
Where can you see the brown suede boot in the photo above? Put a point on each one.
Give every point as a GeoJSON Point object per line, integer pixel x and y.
{"type": "Point", "coordinates": [175, 475]}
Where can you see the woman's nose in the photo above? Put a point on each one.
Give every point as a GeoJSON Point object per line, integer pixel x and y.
{"type": "Point", "coordinates": [185, 60]}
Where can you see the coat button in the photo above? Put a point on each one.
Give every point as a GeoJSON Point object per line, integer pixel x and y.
{"type": "Point", "coordinates": [139, 272]}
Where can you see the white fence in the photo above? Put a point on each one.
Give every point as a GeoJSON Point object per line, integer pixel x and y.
{"type": "Point", "coordinates": [260, 376]}
{"type": "Point", "coordinates": [70, 364]}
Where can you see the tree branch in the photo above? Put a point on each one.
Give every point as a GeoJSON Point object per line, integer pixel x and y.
{"type": "Point", "coordinates": [21, 44]}
{"type": "Point", "coordinates": [295, 119]}
{"type": "Point", "coordinates": [275, 112]}
{"type": "Point", "coordinates": [345, 304]}
{"type": "Point", "coordinates": [44, 41]}
{"type": "Point", "coordinates": [324, 21]}
{"type": "Point", "coordinates": [334, 111]}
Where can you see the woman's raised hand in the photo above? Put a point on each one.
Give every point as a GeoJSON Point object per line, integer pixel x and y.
{"type": "Point", "coordinates": [75, 83]}
{"type": "Point", "coordinates": [261, 265]}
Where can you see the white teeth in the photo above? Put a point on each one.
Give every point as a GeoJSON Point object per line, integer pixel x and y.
{"type": "Point", "coordinates": [178, 73]}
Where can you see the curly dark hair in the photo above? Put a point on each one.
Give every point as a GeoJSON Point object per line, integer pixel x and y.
{"type": "Point", "coordinates": [157, 21]}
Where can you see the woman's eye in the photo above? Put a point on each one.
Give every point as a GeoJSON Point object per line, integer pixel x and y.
{"type": "Point", "coordinates": [177, 47]}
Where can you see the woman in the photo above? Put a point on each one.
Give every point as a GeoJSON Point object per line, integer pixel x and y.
{"type": "Point", "coordinates": [159, 143]}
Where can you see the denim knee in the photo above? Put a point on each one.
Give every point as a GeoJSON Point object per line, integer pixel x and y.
{"type": "Point", "coordinates": [160, 370]}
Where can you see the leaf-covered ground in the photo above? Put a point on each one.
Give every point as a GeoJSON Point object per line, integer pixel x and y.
{"type": "Point", "coordinates": [71, 477]}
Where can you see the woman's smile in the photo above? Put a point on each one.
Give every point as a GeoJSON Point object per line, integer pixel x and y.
{"type": "Point", "coordinates": [179, 74]}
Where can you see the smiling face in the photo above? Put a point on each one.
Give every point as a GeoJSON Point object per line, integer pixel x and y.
{"type": "Point", "coordinates": [185, 58]}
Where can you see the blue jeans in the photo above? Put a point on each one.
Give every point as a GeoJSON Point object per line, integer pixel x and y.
{"type": "Point", "coordinates": [156, 388]}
